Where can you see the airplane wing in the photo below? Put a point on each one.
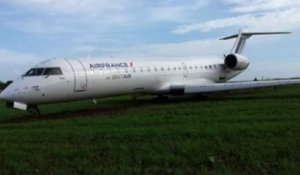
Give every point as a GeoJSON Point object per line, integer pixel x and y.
{"type": "Point", "coordinates": [230, 86]}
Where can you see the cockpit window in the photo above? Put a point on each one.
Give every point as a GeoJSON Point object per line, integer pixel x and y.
{"type": "Point", "coordinates": [44, 71]}
{"type": "Point", "coordinates": [35, 72]}
{"type": "Point", "coordinates": [53, 71]}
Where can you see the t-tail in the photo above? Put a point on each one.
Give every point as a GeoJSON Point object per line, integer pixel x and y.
{"type": "Point", "coordinates": [242, 37]}
{"type": "Point", "coordinates": [235, 59]}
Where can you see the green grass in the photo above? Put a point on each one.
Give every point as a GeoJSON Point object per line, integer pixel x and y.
{"type": "Point", "coordinates": [239, 133]}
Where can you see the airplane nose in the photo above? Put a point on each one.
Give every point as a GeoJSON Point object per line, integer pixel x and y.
{"type": "Point", "coordinates": [9, 93]}
{"type": "Point", "coordinates": [6, 95]}
{"type": "Point", "coordinates": [3, 96]}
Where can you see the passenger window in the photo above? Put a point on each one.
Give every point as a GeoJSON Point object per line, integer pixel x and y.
{"type": "Point", "coordinates": [35, 72]}
{"type": "Point", "coordinates": [53, 71]}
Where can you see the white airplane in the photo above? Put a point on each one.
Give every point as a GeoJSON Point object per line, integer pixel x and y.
{"type": "Point", "coordinates": [62, 80]}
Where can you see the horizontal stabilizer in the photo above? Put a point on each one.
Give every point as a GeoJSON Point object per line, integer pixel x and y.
{"type": "Point", "coordinates": [249, 34]}
{"type": "Point", "coordinates": [241, 38]}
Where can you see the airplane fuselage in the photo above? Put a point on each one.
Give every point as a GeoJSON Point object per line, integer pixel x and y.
{"type": "Point", "coordinates": [61, 80]}
{"type": "Point", "coordinates": [94, 78]}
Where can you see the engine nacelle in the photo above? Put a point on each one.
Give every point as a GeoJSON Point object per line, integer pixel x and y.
{"type": "Point", "coordinates": [236, 62]}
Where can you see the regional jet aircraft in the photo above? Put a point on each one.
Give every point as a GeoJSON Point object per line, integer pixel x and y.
{"type": "Point", "coordinates": [62, 80]}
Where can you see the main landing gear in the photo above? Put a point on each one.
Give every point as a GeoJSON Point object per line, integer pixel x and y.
{"type": "Point", "coordinates": [34, 110]}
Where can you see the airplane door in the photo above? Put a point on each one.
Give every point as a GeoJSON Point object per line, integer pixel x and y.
{"type": "Point", "coordinates": [80, 76]}
{"type": "Point", "coordinates": [185, 70]}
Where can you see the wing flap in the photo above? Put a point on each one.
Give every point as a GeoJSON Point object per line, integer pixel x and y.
{"type": "Point", "coordinates": [221, 87]}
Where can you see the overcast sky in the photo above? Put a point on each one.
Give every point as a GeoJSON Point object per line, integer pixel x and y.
{"type": "Point", "coordinates": [35, 30]}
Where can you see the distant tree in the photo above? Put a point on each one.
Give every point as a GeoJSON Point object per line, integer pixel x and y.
{"type": "Point", "coordinates": [8, 83]}
{"type": "Point", "coordinates": [4, 85]}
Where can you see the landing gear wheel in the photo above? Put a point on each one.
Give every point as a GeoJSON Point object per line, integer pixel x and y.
{"type": "Point", "coordinates": [34, 110]}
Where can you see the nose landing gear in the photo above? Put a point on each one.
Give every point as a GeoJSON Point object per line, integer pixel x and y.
{"type": "Point", "coordinates": [34, 110]}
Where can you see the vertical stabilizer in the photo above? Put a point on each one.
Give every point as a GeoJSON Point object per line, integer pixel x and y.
{"type": "Point", "coordinates": [240, 43]}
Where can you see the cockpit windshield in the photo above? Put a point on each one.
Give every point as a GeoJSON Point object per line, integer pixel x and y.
{"type": "Point", "coordinates": [44, 71]}
{"type": "Point", "coordinates": [35, 72]}
{"type": "Point", "coordinates": [53, 71]}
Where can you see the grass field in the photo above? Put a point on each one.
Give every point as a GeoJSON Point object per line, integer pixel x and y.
{"type": "Point", "coordinates": [239, 133]}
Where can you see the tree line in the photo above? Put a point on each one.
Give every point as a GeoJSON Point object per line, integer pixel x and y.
{"type": "Point", "coordinates": [4, 85]}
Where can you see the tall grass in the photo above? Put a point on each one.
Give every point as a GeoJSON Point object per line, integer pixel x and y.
{"type": "Point", "coordinates": [235, 133]}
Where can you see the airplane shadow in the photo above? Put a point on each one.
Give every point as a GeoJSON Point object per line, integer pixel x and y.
{"type": "Point", "coordinates": [124, 105]}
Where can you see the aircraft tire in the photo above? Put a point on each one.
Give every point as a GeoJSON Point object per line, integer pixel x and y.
{"type": "Point", "coordinates": [34, 110]}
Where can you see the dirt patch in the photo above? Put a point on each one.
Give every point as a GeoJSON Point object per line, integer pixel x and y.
{"type": "Point", "coordinates": [124, 106]}
{"type": "Point", "coordinates": [95, 112]}
{"type": "Point", "coordinates": [72, 114]}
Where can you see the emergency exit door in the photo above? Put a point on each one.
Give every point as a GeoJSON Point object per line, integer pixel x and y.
{"type": "Point", "coordinates": [185, 70]}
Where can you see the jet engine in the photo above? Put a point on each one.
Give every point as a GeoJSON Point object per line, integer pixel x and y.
{"type": "Point", "coordinates": [236, 62]}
